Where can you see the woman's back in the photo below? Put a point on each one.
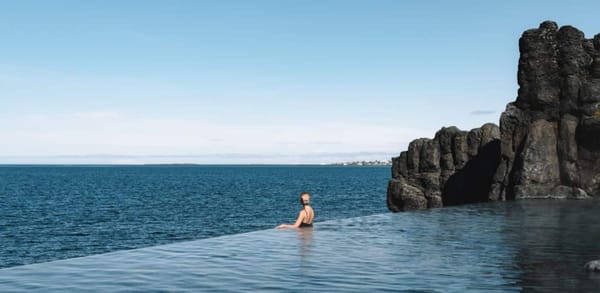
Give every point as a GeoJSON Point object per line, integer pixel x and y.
{"type": "Point", "coordinates": [309, 216]}
{"type": "Point", "coordinates": [305, 217]}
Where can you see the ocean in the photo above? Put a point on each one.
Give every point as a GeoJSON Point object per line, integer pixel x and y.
{"type": "Point", "coordinates": [210, 228]}
{"type": "Point", "coordinates": [56, 212]}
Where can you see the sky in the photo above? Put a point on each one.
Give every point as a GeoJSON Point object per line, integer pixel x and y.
{"type": "Point", "coordinates": [255, 82]}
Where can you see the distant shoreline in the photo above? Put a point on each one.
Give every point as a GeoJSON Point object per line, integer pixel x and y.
{"type": "Point", "coordinates": [193, 165]}
{"type": "Point", "coordinates": [365, 163]}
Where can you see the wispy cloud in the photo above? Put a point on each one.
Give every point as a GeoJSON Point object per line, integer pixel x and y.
{"type": "Point", "coordinates": [215, 158]}
{"type": "Point", "coordinates": [325, 142]}
{"type": "Point", "coordinates": [96, 115]}
{"type": "Point", "coordinates": [129, 139]}
{"type": "Point", "coordinates": [482, 112]}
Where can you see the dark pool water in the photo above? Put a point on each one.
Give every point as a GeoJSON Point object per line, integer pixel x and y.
{"type": "Point", "coordinates": [524, 246]}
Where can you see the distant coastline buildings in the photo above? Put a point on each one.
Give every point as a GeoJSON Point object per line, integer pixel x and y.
{"type": "Point", "coordinates": [365, 163]}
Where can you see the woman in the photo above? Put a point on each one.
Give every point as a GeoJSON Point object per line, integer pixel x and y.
{"type": "Point", "coordinates": [305, 216]}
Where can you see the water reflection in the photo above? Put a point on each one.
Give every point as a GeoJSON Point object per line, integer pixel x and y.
{"type": "Point", "coordinates": [555, 240]}
{"type": "Point", "coordinates": [524, 246]}
{"type": "Point", "coordinates": [305, 236]}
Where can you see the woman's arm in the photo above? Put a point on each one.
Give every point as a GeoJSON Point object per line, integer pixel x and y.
{"type": "Point", "coordinates": [295, 225]}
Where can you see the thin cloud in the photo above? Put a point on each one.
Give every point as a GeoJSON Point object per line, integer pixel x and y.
{"type": "Point", "coordinates": [96, 115]}
{"type": "Point", "coordinates": [483, 112]}
{"type": "Point", "coordinates": [215, 158]}
{"type": "Point", "coordinates": [92, 137]}
{"type": "Point", "coordinates": [324, 142]}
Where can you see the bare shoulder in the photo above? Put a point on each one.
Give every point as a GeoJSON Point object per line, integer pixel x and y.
{"type": "Point", "coordinates": [302, 213]}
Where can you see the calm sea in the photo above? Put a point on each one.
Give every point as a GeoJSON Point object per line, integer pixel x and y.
{"type": "Point", "coordinates": [57, 212]}
{"type": "Point", "coordinates": [51, 213]}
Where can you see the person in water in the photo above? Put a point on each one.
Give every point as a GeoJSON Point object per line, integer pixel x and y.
{"type": "Point", "coordinates": [305, 216]}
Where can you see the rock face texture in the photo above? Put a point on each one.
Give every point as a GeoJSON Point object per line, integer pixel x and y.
{"type": "Point", "coordinates": [547, 145]}
{"type": "Point", "coordinates": [551, 133]}
{"type": "Point", "coordinates": [455, 167]}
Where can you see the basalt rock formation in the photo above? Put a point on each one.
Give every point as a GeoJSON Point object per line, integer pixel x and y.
{"type": "Point", "coordinates": [547, 145]}
{"type": "Point", "coordinates": [454, 167]}
{"type": "Point", "coordinates": [551, 134]}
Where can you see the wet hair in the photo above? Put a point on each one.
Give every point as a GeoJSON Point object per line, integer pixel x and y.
{"type": "Point", "coordinates": [302, 201]}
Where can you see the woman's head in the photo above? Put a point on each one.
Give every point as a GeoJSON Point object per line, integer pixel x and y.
{"type": "Point", "coordinates": [304, 198]}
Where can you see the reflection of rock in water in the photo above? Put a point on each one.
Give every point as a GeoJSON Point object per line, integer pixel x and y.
{"type": "Point", "coordinates": [555, 228]}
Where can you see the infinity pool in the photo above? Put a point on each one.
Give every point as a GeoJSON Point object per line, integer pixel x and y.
{"type": "Point", "coordinates": [512, 247]}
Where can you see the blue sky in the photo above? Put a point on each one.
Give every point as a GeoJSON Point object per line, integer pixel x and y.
{"type": "Point", "coordinates": [255, 81]}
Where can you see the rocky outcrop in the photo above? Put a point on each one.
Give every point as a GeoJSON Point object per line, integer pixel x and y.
{"type": "Point", "coordinates": [547, 145]}
{"type": "Point", "coordinates": [551, 133]}
{"type": "Point", "coordinates": [454, 167]}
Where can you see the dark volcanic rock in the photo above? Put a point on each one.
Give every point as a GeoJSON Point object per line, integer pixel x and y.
{"type": "Point", "coordinates": [547, 145]}
{"type": "Point", "coordinates": [452, 168]}
{"type": "Point", "coordinates": [551, 135]}
{"type": "Point", "coordinates": [405, 197]}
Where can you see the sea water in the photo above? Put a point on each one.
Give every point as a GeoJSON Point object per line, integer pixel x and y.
{"type": "Point", "coordinates": [57, 212]}
{"type": "Point", "coordinates": [520, 246]}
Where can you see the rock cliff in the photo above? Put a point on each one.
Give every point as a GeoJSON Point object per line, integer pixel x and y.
{"type": "Point", "coordinates": [547, 145]}
{"type": "Point", "coordinates": [454, 167]}
{"type": "Point", "coordinates": [551, 134]}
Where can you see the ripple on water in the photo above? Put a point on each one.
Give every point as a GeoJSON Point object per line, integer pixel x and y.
{"type": "Point", "coordinates": [509, 247]}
